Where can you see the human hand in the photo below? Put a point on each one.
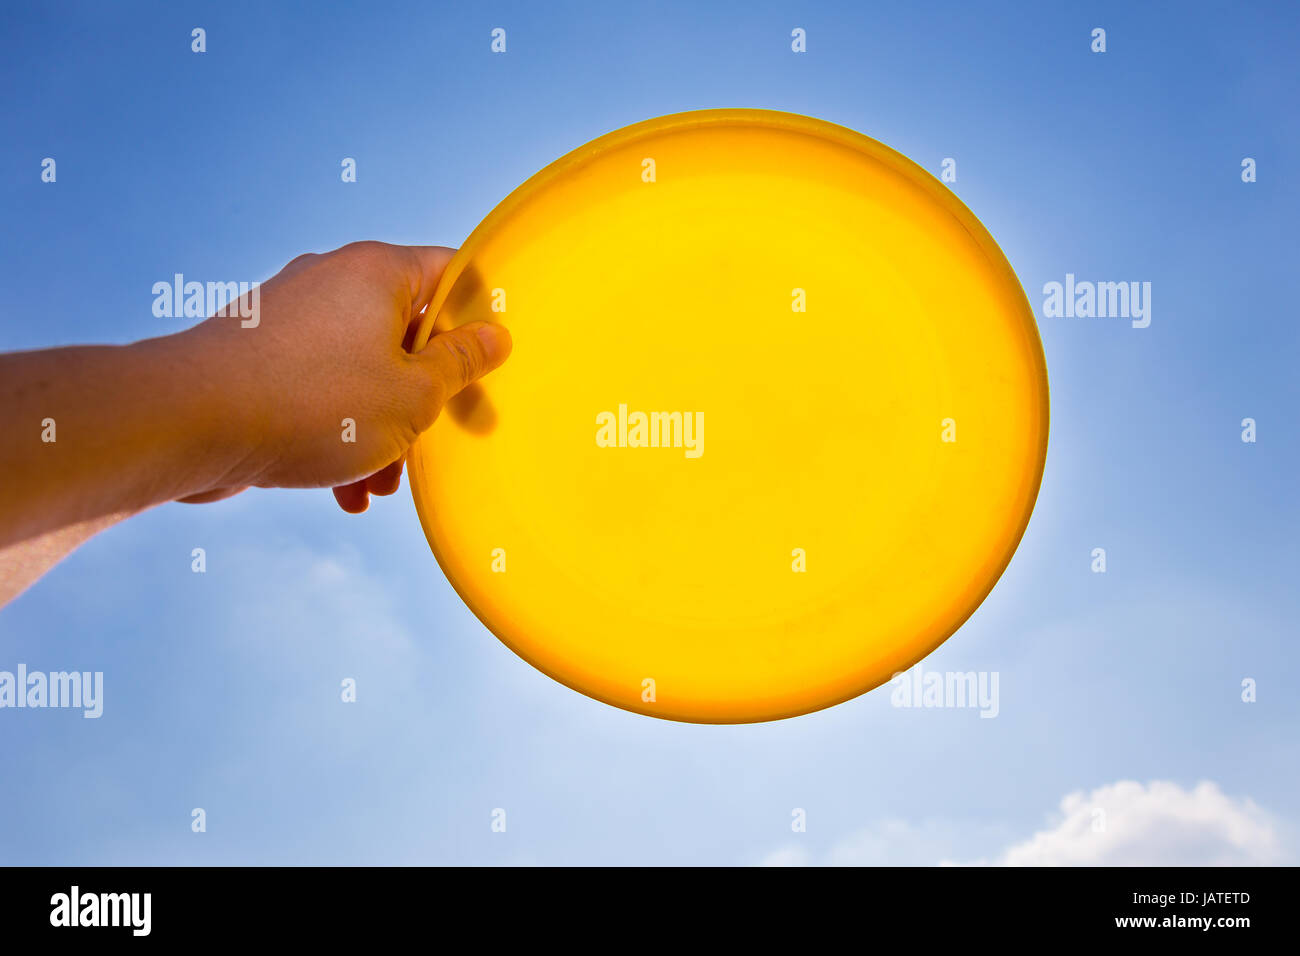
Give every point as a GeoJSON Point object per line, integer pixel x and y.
{"type": "Point", "coordinates": [330, 346]}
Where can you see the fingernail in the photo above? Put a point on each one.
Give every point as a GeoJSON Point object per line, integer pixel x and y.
{"type": "Point", "coordinates": [496, 342]}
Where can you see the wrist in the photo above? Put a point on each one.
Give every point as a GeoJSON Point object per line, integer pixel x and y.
{"type": "Point", "coordinates": [201, 416]}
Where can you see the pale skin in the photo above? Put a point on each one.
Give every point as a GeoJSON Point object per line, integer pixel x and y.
{"type": "Point", "coordinates": [210, 411]}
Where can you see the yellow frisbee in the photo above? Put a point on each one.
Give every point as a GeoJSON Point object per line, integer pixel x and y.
{"type": "Point", "coordinates": [773, 426]}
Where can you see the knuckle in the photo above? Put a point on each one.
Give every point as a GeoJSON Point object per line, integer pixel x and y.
{"type": "Point", "coordinates": [366, 252]}
{"type": "Point", "coordinates": [466, 359]}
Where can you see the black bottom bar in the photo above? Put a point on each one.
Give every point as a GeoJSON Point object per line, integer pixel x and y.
{"type": "Point", "coordinates": [639, 908]}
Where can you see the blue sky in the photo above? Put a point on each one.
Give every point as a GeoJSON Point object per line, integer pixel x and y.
{"type": "Point", "coordinates": [222, 689]}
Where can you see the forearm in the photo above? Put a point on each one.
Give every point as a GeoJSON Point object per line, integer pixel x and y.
{"type": "Point", "coordinates": [319, 392]}
{"type": "Point", "coordinates": [92, 432]}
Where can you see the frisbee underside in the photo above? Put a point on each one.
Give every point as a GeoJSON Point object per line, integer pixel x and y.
{"type": "Point", "coordinates": [845, 426]}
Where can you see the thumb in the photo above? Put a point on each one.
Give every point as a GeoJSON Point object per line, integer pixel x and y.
{"type": "Point", "coordinates": [454, 358]}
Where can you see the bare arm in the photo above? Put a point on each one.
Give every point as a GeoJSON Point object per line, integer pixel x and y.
{"type": "Point", "coordinates": [93, 434]}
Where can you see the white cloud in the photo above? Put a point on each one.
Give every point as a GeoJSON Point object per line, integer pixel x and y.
{"type": "Point", "coordinates": [1159, 824]}
{"type": "Point", "coordinates": [1119, 824]}
{"type": "Point", "coordinates": [889, 842]}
